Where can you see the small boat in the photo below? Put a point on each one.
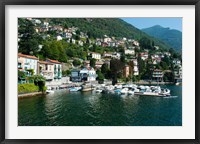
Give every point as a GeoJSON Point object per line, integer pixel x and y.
{"type": "Point", "coordinates": [130, 92]}
{"type": "Point", "coordinates": [75, 89]}
{"type": "Point", "coordinates": [98, 91]}
{"type": "Point", "coordinates": [49, 90]}
{"type": "Point", "coordinates": [118, 86]}
{"type": "Point", "coordinates": [117, 91]}
{"type": "Point", "coordinates": [165, 92]}
{"type": "Point", "coordinates": [124, 91]}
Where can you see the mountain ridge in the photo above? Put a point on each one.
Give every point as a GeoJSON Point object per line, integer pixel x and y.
{"type": "Point", "coordinates": [172, 37]}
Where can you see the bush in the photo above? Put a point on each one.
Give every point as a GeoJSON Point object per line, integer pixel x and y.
{"type": "Point", "coordinates": [76, 62]}
{"type": "Point", "coordinates": [27, 88]}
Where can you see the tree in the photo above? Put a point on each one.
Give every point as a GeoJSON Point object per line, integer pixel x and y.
{"type": "Point", "coordinates": [146, 43]}
{"type": "Point", "coordinates": [104, 68]}
{"type": "Point", "coordinates": [100, 77]}
{"type": "Point", "coordinates": [168, 77]}
{"type": "Point", "coordinates": [164, 65]}
{"type": "Point", "coordinates": [123, 58]}
{"type": "Point", "coordinates": [66, 72]}
{"type": "Point", "coordinates": [40, 82]}
{"type": "Point", "coordinates": [93, 62]}
{"type": "Point", "coordinates": [116, 67]}
{"type": "Point", "coordinates": [31, 71]}
{"type": "Point", "coordinates": [29, 39]}
{"type": "Point", "coordinates": [76, 62]}
{"type": "Point", "coordinates": [141, 65]}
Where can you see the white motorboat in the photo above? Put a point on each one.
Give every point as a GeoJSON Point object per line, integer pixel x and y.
{"type": "Point", "coordinates": [98, 91]}
{"type": "Point", "coordinates": [124, 91]}
{"type": "Point", "coordinates": [75, 89]}
{"type": "Point", "coordinates": [118, 86]}
{"type": "Point", "coordinates": [49, 91]}
{"type": "Point", "coordinates": [130, 92]}
{"type": "Point", "coordinates": [165, 92]}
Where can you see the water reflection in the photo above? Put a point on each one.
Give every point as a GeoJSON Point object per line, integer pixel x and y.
{"type": "Point", "coordinates": [91, 109]}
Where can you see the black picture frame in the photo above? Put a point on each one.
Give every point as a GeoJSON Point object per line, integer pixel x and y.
{"type": "Point", "coordinates": [3, 4]}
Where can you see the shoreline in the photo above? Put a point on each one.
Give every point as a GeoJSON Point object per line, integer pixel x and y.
{"type": "Point", "coordinates": [159, 83]}
{"type": "Point", "coordinates": [30, 94]}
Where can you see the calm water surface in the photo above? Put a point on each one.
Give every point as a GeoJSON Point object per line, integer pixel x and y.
{"type": "Point", "coordinates": [90, 109]}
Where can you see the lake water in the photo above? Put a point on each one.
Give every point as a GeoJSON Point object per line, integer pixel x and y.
{"type": "Point", "coordinates": [90, 109]}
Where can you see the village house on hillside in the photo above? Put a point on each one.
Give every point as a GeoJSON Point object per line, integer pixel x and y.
{"type": "Point", "coordinates": [94, 55]}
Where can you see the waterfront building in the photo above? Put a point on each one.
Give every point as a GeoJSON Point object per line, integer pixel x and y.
{"type": "Point", "coordinates": [57, 68]}
{"type": "Point", "coordinates": [46, 69]}
{"type": "Point", "coordinates": [27, 62]}
{"type": "Point", "coordinates": [157, 75]}
{"type": "Point", "coordinates": [88, 74]}
{"type": "Point", "coordinates": [75, 75]}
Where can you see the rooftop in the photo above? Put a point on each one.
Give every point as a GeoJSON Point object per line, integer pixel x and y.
{"type": "Point", "coordinates": [27, 56]}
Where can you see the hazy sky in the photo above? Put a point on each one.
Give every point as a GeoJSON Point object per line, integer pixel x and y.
{"type": "Point", "coordinates": [140, 23]}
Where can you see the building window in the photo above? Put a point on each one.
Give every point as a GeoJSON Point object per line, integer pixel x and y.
{"type": "Point", "coordinates": [46, 67]}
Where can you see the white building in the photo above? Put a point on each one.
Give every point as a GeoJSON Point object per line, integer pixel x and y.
{"type": "Point", "coordinates": [129, 52]}
{"type": "Point", "coordinates": [68, 35]}
{"type": "Point", "coordinates": [177, 62]}
{"type": "Point", "coordinates": [107, 39]}
{"type": "Point", "coordinates": [95, 55]}
{"type": "Point", "coordinates": [80, 43]}
{"type": "Point", "coordinates": [136, 43]}
{"type": "Point", "coordinates": [88, 74]}
{"type": "Point", "coordinates": [27, 62]}
{"type": "Point", "coordinates": [144, 55]}
{"type": "Point", "coordinates": [59, 38]}
{"type": "Point", "coordinates": [134, 64]}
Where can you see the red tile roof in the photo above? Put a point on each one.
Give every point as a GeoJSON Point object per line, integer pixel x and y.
{"type": "Point", "coordinates": [54, 61]}
{"type": "Point", "coordinates": [45, 62]}
{"type": "Point", "coordinates": [27, 56]}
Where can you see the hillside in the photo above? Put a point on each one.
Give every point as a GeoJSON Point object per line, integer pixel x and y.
{"type": "Point", "coordinates": [98, 27]}
{"type": "Point", "coordinates": [170, 36]}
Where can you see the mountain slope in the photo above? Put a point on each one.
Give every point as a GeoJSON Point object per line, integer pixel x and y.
{"type": "Point", "coordinates": [170, 36]}
{"type": "Point", "coordinates": [98, 27]}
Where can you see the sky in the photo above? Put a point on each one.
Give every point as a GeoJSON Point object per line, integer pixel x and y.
{"type": "Point", "coordinates": [140, 23]}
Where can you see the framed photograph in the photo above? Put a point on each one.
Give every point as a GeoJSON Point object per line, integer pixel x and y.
{"type": "Point", "coordinates": [99, 72]}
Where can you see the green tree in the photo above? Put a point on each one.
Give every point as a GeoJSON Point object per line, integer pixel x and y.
{"type": "Point", "coordinates": [40, 82]}
{"type": "Point", "coordinates": [76, 62]}
{"type": "Point", "coordinates": [104, 68]}
{"type": "Point", "coordinates": [116, 67]}
{"type": "Point", "coordinates": [93, 62]}
{"type": "Point", "coordinates": [29, 39]}
{"type": "Point", "coordinates": [146, 43]}
{"type": "Point", "coordinates": [123, 58]}
{"type": "Point", "coordinates": [31, 71]}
